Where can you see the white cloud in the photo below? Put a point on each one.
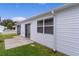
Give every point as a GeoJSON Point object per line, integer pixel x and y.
{"type": "Point", "coordinates": [18, 18]}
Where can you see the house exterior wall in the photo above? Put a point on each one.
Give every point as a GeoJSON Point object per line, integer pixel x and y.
{"type": "Point", "coordinates": [1, 29]}
{"type": "Point", "coordinates": [41, 38]}
{"type": "Point", "coordinates": [45, 39]}
{"type": "Point", "coordinates": [67, 30]}
{"type": "Point", "coordinates": [23, 29]}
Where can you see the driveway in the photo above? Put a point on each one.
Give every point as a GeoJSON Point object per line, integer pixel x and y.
{"type": "Point", "coordinates": [16, 42]}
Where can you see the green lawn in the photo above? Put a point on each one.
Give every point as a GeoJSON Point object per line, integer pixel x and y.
{"type": "Point", "coordinates": [6, 36]}
{"type": "Point", "coordinates": [26, 50]}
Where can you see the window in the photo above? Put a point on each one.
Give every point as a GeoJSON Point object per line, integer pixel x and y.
{"type": "Point", "coordinates": [18, 29]}
{"type": "Point", "coordinates": [45, 26]}
{"type": "Point", "coordinates": [40, 26]}
{"type": "Point", "coordinates": [49, 21]}
{"type": "Point", "coordinates": [48, 26]}
{"type": "Point", "coordinates": [40, 29]}
{"type": "Point", "coordinates": [40, 23]}
{"type": "Point", "coordinates": [48, 30]}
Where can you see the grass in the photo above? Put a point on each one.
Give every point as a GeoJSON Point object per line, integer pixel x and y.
{"type": "Point", "coordinates": [6, 36]}
{"type": "Point", "coordinates": [27, 50]}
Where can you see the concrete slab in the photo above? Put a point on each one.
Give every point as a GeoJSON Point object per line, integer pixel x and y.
{"type": "Point", "coordinates": [17, 41]}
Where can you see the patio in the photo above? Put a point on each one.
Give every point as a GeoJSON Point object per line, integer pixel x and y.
{"type": "Point", "coordinates": [16, 42]}
{"type": "Point", "coordinates": [20, 46]}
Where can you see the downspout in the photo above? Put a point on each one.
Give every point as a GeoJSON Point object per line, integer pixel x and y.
{"type": "Point", "coordinates": [55, 48]}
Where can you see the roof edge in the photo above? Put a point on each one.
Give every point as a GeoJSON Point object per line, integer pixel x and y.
{"type": "Point", "coordinates": [67, 5]}
{"type": "Point", "coordinates": [34, 16]}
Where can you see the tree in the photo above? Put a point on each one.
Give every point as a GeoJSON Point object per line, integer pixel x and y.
{"type": "Point", "coordinates": [8, 23]}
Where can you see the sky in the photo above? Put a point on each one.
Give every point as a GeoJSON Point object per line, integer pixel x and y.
{"type": "Point", "coordinates": [24, 10]}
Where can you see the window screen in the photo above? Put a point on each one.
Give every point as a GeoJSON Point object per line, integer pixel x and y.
{"type": "Point", "coordinates": [48, 30]}
{"type": "Point", "coordinates": [40, 23]}
{"type": "Point", "coordinates": [49, 21]}
{"type": "Point", "coordinates": [40, 29]}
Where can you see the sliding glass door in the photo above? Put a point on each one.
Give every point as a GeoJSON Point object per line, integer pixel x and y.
{"type": "Point", "coordinates": [27, 30]}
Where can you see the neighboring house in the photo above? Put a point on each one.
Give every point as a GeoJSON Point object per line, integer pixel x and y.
{"type": "Point", "coordinates": [57, 29]}
{"type": "Point", "coordinates": [1, 28]}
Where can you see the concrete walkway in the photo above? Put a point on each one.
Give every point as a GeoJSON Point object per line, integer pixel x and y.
{"type": "Point", "coordinates": [17, 41]}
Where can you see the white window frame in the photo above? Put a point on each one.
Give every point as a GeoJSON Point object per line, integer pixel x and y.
{"type": "Point", "coordinates": [45, 26]}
